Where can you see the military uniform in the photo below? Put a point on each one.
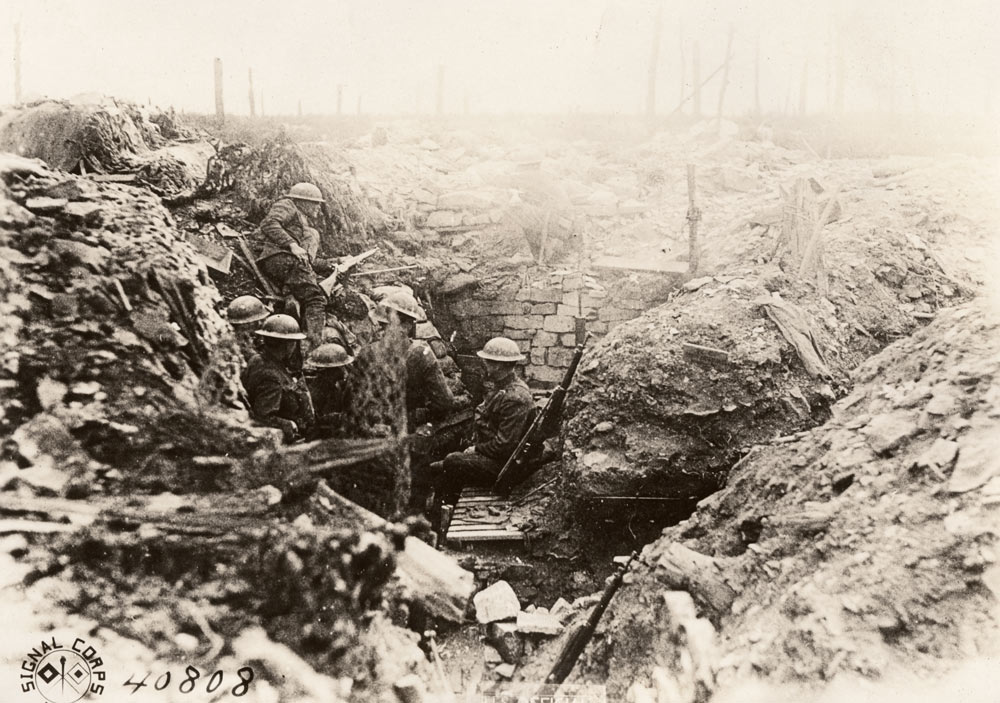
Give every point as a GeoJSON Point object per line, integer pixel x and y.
{"type": "Point", "coordinates": [331, 396]}
{"type": "Point", "coordinates": [501, 420]}
{"type": "Point", "coordinates": [283, 226]}
{"type": "Point", "coordinates": [428, 397]}
{"type": "Point", "coordinates": [277, 397]}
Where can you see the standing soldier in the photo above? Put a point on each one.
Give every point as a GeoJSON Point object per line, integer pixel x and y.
{"type": "Point", "coordinates": [428, 397]}
{"type": "Point", "coordinates": [245, 314]}
{"type": "Point", "coordinates": [290, 247]}
{"type": "Point", "coordinates": [501, 420]}
{"type": "Point", "coordinates": [279, 397]}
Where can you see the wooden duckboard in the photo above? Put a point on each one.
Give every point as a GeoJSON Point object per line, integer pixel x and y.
{"type": "Point", "coordinates": [472, 520]}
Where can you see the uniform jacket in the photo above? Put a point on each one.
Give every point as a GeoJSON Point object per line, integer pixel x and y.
{"type": "Point", "coordinates": [276, 396]}
{"type": "Point", "coordinates": [284, 225]}
{"type": "Point", "coordinates": [502, 419]}
{"type": "Point", "coordinates": [426, 386]}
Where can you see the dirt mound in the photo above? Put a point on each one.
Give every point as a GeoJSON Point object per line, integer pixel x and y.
{"type": "Point", "coordinates": [102, 136]}
{"type": "Point", "coordinates": [114, 352]}
{"type": "Point", "coordinates": [865, 548]}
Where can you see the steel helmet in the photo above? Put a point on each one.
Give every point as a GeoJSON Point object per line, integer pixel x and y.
{"type": "Point", "coordinates": [280, 327]}
{"type": "Point", "coordinates": [501, 349]}
{"type": "Point", "coordinates": [305, 191]}
{"type": "Point", "coordinates": [246, 309]}
{"type": "Point", "coordinates": [328, 356]}
{"type": "Point", "coordinates": [404, 303]}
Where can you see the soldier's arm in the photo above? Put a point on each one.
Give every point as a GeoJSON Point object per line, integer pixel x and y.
{"type": "Point", "coordinates": [265, 401]}
{"type": "Point", "coordinates": [274, 225]}
{"type": "Point", "coordinates": [440, 400]}
{"type": "Point", "coordinates": [513, 418]}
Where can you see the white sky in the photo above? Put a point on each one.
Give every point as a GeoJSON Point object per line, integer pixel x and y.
{"type": "Point", "coordinates": [507, 55]}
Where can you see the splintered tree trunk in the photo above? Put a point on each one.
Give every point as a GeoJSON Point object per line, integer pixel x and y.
{"type": "Point", "coordinates": [725, 75]}
{"type": "Point", "coordinates": [220, 110]}
{"type": "Point", "coordinates": [250, 93]}
{"type": "Point", "coordinates": [654, 59]}
{"type": "Point", "coordinates": [696, 67]}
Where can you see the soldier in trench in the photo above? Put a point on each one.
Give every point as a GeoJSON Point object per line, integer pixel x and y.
{"type": "Point", "coordinates": [277, 394]}
{"type": "Point", "coordinates": [245, 314]}
{"type": "Point", "coordinates": [290, 248]}
{"type": "Point", "coordinates": [500, 422]}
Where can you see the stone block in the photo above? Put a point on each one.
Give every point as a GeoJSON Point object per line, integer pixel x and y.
{"type": "Point", "coordinates": [504, 638]}
{"type": "Point", "coordinates": [538, 355]}
{"type": "Point", "coordinates": [468, 308]}
{"type": "Point", "coordinates": [543, 309]}
{"type": "Point", "coordinates": [558, 323]}
{"type": "Point", "coordinates": [573, 311]}
{"type": "Point", "coordinates": [518, 335]}
{"type": "Point", "coordinates": [444, 219]}
{"type": "Point", "coordinates": [572, 283]}
{"type": "Point", "coordinates": [545, 295]}
{"type": "Point", "coordinates": [567, 340]}
{"type": "Point", "coordinates": [508, 307]}
{"type": "Point", "coordinates": [497, 602]}
{"type": "Point", "coordinates": [592, 300]}
{"type": "Point", "coordinates": [615, 314]}
{"type": "Point", "coordinates": [479, 220]}
{"type": "Point", "coordinates": [465, 200]}
{"type": "Point", "coordinates": [523, 294]}
{"type": "Point", "coordinates": [559, 357]}
{"type": "Point", "coordinates": [632, 304]}
{"type": "Point", "coordinates": [545, 339]}
{"type": "Point", "coordinates": [545, 374]}
{"type": "Point", "coordinates": [523, 322]}
{"type": "Point", "coordinates": [597, 327]}
{"type": "Point", "coordinates": [572, 299]}
{"type": "Point", "coordinates": [524, 345]}
{"type": "Point", "coordinates": [538, 623]}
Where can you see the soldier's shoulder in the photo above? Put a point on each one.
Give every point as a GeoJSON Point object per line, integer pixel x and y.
{"type": "Point", "coordinates": [282, 208]}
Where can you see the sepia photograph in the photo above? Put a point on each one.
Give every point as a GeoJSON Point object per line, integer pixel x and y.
{"type": "Point", "coordinates": [536, 351]}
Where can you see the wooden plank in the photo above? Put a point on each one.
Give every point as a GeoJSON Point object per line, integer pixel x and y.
{"type": "Point", "coordinates": [487, 536]}
{"type": "Point", "coordinates": [649, 264]}
{"type": "Point", "coordinates": [113, 177]}
{"type": "Point", "coordinates": [34, 526]}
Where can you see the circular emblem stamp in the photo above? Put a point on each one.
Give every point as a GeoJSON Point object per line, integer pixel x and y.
{"type": "Point", "coordinates": [63, 674]}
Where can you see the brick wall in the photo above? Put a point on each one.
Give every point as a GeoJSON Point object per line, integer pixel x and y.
{"type": "Point", "coordinates": [538, 309]}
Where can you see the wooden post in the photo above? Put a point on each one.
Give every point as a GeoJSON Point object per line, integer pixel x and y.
{"type": "Point", "coordinates": [693, 216]}
{"type": "Point", "coordinates": [17, 63]}
{"type": "Point", "coordinates": [220, 110]}
{"type": "Point", "coordinates": [340, 97]}
{"type": "Point", "coordinates": [680, 40]}
{"type": "Point", "coordinates": [803, 86]}
{"type": "Point", "coordinates": [841, 74]}
{"type": "Point", "coordinates": [250, 94]}
{"type": "Point", "coordinates": [654, 59]}
{"type": "Point", "coordinates": [725, 74]}
{"type": "Point", "coordinates": [696, 68]}
{"type": "Point", "coordinates": [756, 79]}
{"type": "Point", "coordinates": [439, 100]}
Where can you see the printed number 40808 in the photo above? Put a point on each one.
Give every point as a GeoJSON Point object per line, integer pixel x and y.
{"type": "Point", "coordinates": [189, 682]}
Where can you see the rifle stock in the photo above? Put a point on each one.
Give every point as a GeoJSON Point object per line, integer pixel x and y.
{"type": "Point", "coordinates": [542, 427]}
{"type": "Point", "coordinates": [581, 635]}
{"type": "Point", "coordinates": [329, 284]}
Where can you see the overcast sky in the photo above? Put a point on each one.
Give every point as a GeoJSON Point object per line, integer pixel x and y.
{"type": "Point", "coordinates": [504, 56]}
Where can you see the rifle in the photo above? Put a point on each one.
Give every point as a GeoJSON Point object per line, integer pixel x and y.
{"type": "Point", "coordinates": [542, 427]}
{"type": "Point", "coordinates": [388, 270]}
{"type": "Point", "coordinates": [330, 284]}
{"type": "Point", "coordinates": [581, 635]}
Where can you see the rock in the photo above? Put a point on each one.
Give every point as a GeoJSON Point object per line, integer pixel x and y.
{"type": "Point", "coordinates": [940, 454]}
{"type": "Point", "coordinates": [503, 636]}
{"type": "Point", "coordinates": [538, 623]}
{"type": "Point", "coordinates": [444, 219]}
{"type": "Point", "coordinates": [498, 602]}
{"type": "Point", "coordinates": [977, 460]}
{"type": "Point", "coordinates": [491, 655]}
{"type": "Point", "coordinates": [458, 282]}
{"type": "Point", "coordinates": [46, 206]}
{"type": "Point", "coordinates": [696, 283]}
{"type": "Point", "coordinates": [83, 213]}
{"type": "Point", "coordinates": [505, 670]}
{"type": "Point", "coordinates": [602, 427]}
{"type": "Point", "coordinates": [466, 200]}
{"type": "Point", "coordinates": [185, 642]}
{"type": "Point", "coordinates": [562, 610]}
{"type": "Point", "coordinates": [409, 689]}
{"type": "Point", "coordinates": [886, 432]}
{"type": "Point", "coordinates": [942, 401]}
{"type": "Point", "coordinates": [82, 253]}
{"type": "Point", "coordinates": [50, 393]}
{"type": "Point", "coordinates": [13, 215]}
{"type": "Point", "coordinates": [912, 291]}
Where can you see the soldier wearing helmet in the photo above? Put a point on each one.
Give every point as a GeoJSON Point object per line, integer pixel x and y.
{"type": "Point", "coordinates": [329, 387]}
{"type": "Point", "coordinates": [290, 248]}
{"type": "Point", "coordinates": [501, 420]}
{"type": "Point", "coordinates": [245, 314]}
{"type": "Point", "coordinates": [428, 397]}
{"type": "Point", "coordinates": [279, 397]}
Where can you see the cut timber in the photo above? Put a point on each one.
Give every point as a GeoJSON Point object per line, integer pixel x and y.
{"type": "Point", "coordinates": [435, 581]}
{"type": "Point", "coordinates": [472, 520]}
{"type": "Point", "coordinates": [702, 353]}
{"type": "Point", "coordinates": [651, 264]}
{"type": "Point", "coordinates": [700, 575]}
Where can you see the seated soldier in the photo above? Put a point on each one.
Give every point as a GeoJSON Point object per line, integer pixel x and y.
{"type": "Point", "coordinates": [290, 248]}
{"type": "Point", "coordinates": [245, 314]}
{"type": "Point", "coordinates": [329, 388]}
{"type": "Point", "coordinates": [278, 396]}
{"type": "Point", "coordinates": [501, 420]}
